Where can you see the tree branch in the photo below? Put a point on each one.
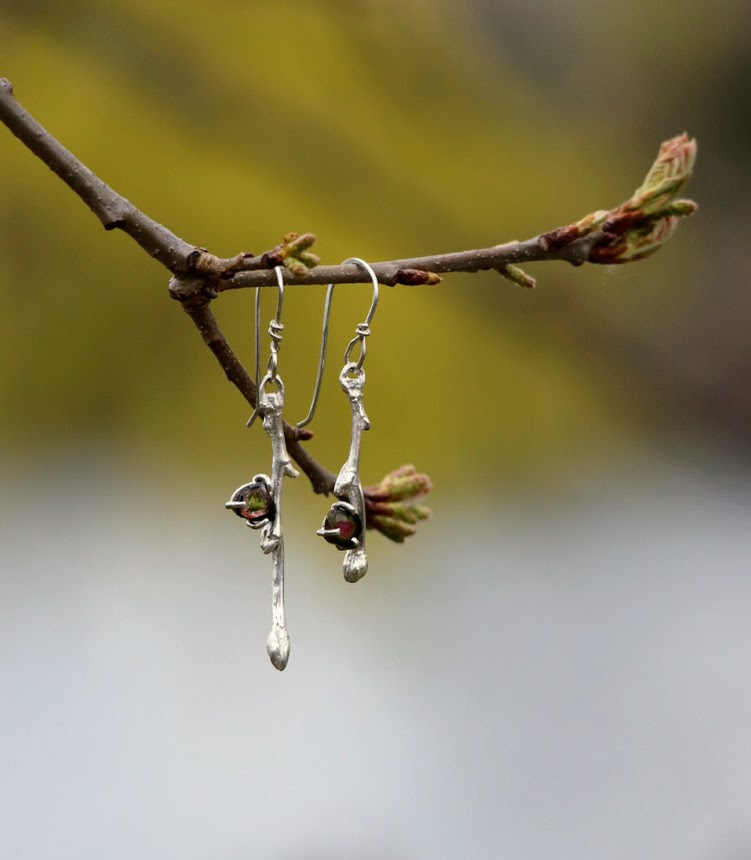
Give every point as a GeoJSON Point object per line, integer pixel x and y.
{"type": "Point", "coordinates": [416, 271]}
{"type": "Point", "coordinates": [626, 233]}
{"type": "Point", "coordinates": [112, 210]}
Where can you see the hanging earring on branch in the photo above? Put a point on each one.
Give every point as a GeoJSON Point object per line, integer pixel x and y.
{"type": "Point", "coordinates": [344, 525]}
{"type": "Point", "coordinates": [259, 503]}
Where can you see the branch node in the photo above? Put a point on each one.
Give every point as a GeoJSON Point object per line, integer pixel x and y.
{"type": "Point", "coordinates": [184, 289]}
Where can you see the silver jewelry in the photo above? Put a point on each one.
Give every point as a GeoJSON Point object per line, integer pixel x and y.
{"type": "Point", "coordinates": [344, 525]}
{"type": "Point", "coordinates": [259, 503]}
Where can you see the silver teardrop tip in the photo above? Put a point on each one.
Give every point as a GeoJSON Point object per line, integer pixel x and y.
{"type": "Point", "coordinates": [277, 646]}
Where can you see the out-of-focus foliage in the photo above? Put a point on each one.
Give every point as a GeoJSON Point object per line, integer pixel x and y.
{"type": "Point", "coordinates": [388, 129]}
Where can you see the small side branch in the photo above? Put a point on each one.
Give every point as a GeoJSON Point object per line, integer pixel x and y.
{"type": "Point", "coordinates": [419, 271]}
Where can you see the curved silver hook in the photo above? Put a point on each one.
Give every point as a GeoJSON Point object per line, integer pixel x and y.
{"type": "Point", "coordinates": [363, 330]}
{"type": "Point", "coordinates": [275, 333]}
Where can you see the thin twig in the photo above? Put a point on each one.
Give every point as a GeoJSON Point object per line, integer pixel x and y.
{"type": "Point", "coordinates": [408, 270]}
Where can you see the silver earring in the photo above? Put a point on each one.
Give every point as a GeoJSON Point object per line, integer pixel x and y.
{"type": "Point", "coordinates": [259, 503]}
{"type": "Point", "coordinates": [344, 525]}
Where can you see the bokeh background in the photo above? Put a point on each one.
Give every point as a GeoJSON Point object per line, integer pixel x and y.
{"type": "Point", "coordinates": [559, 664]}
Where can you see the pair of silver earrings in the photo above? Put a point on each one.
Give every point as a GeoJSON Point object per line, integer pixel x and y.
{"type": "Point", "coordinates": [259, 502]}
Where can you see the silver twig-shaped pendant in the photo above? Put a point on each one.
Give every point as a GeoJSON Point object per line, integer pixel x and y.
{"type": "Point", "coordinates": [345, 524]}
{"type": "Point", "coordinates": [272, 541]}
{"type": "Point", "coordinates": [259, 503]}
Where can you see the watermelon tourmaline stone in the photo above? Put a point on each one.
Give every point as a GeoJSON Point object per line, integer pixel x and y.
{"type": "Point", "coordinates": [253, 502]}
{"type": "Point", "coordinates": [342, 526]}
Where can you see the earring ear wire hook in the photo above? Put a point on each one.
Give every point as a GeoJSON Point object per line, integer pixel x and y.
{"type": "Point", "coordinates": [275, 333]}
{"type": "Point", "coordinates": [363, 330]}
{"type": "Point", "coordinates": [257, 339]}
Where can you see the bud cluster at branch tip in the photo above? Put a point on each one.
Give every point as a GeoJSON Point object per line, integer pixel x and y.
{"type": "Point", "coordinates": [641, 225]}
{"type": "Point", "coordinates": [390, 505]}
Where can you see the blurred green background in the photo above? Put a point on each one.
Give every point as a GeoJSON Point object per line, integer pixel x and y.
{"type": "Point", "coordinates": [388, 129]}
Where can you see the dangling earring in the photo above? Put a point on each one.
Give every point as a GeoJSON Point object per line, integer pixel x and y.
{"type": "Point", "coordinates": [259, 503]}
{"type": "Point", "coordinates": [344, 525]}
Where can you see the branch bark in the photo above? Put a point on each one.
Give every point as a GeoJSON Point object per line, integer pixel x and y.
{"type": "Point", "coordinates": [629, 232]}
{"type": "Point", "coordinates": [416, 271]}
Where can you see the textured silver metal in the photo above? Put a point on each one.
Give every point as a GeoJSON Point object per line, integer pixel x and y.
{"type": "Point", "coordinates": [348, 486]}
{"type": "Point", "coordinates": [269, 405]}
{"type": "Point", "coordinates": [352, 380]}
{"type": "Point", "coordinates": [272, 540]}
